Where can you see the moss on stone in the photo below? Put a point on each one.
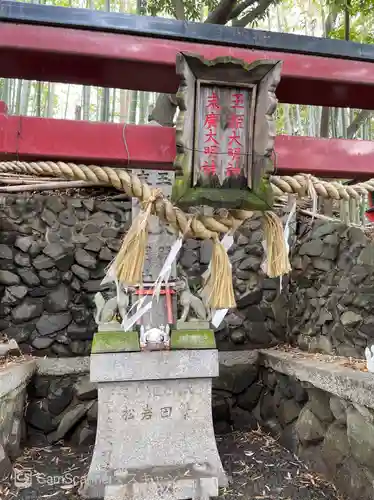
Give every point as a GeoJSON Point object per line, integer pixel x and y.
{"type": "Point", "coordinates": [193, 339]}
{"type": "Point", "coordinates": [115, 342]}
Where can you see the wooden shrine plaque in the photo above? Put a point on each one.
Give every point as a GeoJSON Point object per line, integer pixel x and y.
{"type": "Point", "coordinates": [225, 132]}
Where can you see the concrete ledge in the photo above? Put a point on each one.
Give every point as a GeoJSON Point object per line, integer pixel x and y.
{"type": "Point", "coordinates": [69, 366]}
{"type": "Point", "coordinates": [15, 375]}
{"type": "Point", "coordinates": [62, 366]}
{"type": "Point", "coordinates": [13, 380]}
{"type": "Point", "coordinates": [346, 383]}
{"type": "Point", "coordinates": [234, 358]}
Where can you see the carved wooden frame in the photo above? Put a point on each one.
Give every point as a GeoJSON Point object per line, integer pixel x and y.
{"type": "Point", "coordinates": [264, 75]}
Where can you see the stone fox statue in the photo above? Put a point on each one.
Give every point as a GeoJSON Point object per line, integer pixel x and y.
{"type": "Point", "coordinates": [113, 309]}
{"type": "Point", "coordinates": [190, 301]}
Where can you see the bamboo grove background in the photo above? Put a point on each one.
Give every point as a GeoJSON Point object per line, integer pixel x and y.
{"type": "Point", "coordinates": [344, 19]}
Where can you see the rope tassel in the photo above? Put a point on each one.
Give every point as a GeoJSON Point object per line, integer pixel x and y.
{"type": "Point", "coordinates": [218, 289]}
{"type": "Point", "coordinates": [278, 262]}
{"type": "Point", "coordinates": [129, 263]}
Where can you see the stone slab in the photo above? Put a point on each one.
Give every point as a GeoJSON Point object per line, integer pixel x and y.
{"type": "Point", "coordinates": [193, 339]}
{"type": "Point", "coordinates": [234, 358]}
{"type": "Point", "coordinates": [163, 483]}
{"type": "Point", "coordinates": [81, 364]}
{"type": "Point", "coordinates": [13, 380]}
{"type": "Point", "coordinates": [193, 325]}
{"type": "Point", "coordinates": [115, 341]}
{"type": "Point", "coordinates": [163, 423]}
{"type": "Point", "coordinates": [160, 365]}
{"type": "Point", "coordinates": [329, 376]}
{"type": "Point", "coordinates": [15, 375]}
{"type": "Point", "coordinates": [59, 367]}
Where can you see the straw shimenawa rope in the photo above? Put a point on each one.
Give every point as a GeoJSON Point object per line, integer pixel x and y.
{"type": "Point", "coordinates": [129, 262]}
{"type": "Point", "coordinates": [281, 185]}
{"type": "Point", "coordinates": [299, 184]}
{"type": "Point", "coordinates": [201, 227]}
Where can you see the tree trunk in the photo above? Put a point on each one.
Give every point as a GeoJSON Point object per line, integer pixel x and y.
{"type": "Point", "coordinates": [325, 116]}
{"type": "Point", "coordinates": [67, 102]}
{"type": "Point", "coordinates": [25, 97]}
{"type": "Point", "coordinates": [143, 107]}
{"type": "Point", "coordinates": [18, 97]}
{"type": "Point", "coordinates": [50, 102]}
{"type": "Point", "coordinates": [325, 121]}
{"type": "Point", "coordinates": [133, 106]}
{"type": "Point", "coordinates": [113, 110]}
{"type": "Point", "coordinates": [86, 102]}
{"type": "Point", "coordinates": [39, 99]}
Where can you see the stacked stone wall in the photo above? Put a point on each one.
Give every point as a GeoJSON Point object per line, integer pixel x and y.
{"type": "Point", "coordinates": [54, 250]}
{"type": "Point", "coordinates": [331, 293]}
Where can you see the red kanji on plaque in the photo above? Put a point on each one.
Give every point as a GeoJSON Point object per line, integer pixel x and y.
{"type": "Point", "coordinates": [238, 101]}
{"type": "Point", "coordinates": [234, 138]}
{"type": "Point", "coordinates": [235, 153]}
{"type": "Point", "coordinates": [232, 170]}
{"type": "Point", "coordinates": [210, 150]}
{"type": "Point", "coordinates": [236, 121]}
{"type": "Point", "coordinates": [211, 120]}
{"type": "Point", "coordinates": [213, 102]}
{"type": "Point", "coordinates": [209, 167]}
{"type": "Point", "coordinates": [210, 136]}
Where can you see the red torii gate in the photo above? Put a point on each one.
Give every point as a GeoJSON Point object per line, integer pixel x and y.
{"type": "Point", "coordinates": [64, 45]}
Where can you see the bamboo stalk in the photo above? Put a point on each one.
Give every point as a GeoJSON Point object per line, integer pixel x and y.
{"type": "Point", "coordinates": [324, 217]}
{"type": "Point", "coordinates": [18, 182]}
{"type": "Point", "coordinates": [48, 186]}
{"type": "Point", "coordinates": [30, 177]}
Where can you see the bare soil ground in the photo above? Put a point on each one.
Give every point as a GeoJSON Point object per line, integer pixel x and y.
{"type": "Point", "coordinates": [258, 467]}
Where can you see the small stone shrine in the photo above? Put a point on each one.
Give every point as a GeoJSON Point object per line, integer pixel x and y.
{"type": "Point", "coordinates": [155, 437]}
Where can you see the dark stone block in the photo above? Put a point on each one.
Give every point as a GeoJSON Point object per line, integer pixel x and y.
{"type": "Point", "coordinates": [243, 420]}
{"type": "Point", "coordinates": [27, 310]}
{"type": "Point", "coordinates": [58, 299]}
{"type": "Point", "coordinates": [249, 299]}
{"type": "Point", "coordinates": [38, 416]}
{"type": "Point", "coordinates": [29, 277]}
{"type": "Point", "coordinates": [6, 252]}
{"type": "Point", "coordinates": [249, 399]}
{"type": "Point", "coordinates": [39, 291]}
{"type": "Point", "coordinates": [51, 323]}
{"type": "Point", "coordinates": [50, 277]}
{"type": "Point", "coordinates": [59, 399]}
{"type": "Point", "coordinates": [22, 259]}
{"type": "Point", "coordinates": [9, 278]}
{"type": "Point", "coordinates": [43, 262]}
{"type": "Point", "coordinates": [81, 332]}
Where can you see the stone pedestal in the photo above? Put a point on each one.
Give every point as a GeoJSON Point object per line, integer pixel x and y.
{"type": "Point", "coordinates": [166, 483]}
{"type": "Point", "coordinates": [154, 412]}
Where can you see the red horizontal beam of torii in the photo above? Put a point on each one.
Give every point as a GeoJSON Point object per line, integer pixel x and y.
{"type": "Point", "coordinates": [153, 147]}
{"type": "Point", "coordinates": [143, 63]}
